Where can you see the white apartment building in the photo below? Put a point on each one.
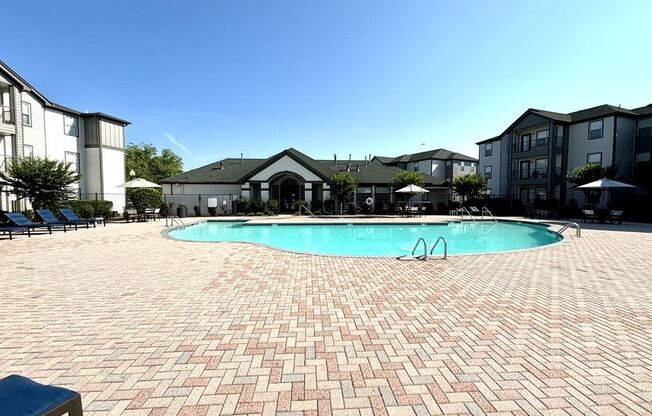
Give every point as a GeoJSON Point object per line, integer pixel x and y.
{"type": "Point", "coordinates": [533, 156]}
{"type": "Point", "coordinates": [32, 125]}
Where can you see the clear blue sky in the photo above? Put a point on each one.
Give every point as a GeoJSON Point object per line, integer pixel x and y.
{"type": "Point", "coordinates": [214, 78]}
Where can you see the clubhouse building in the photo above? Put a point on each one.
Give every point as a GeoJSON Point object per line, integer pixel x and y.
{"type": "Point", "coordinates": [292, 176]}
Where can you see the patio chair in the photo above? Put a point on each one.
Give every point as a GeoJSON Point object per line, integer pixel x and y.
{"type": "Point", "coordinates": [152, 213]}
{"type": "Point", "coordinates": [589, 215]}
{"type": "Point", "coordinates": [22, 396]}
{"type": "Point", "coordinates": [48, 218]}
{"type": "Point", "coordinates": [474, 210]}
{"type": "Point", "coordinates": [20, 220]}
{"type": "Point", "coordinates": [6, 229]}
{"type": "Point", "coordinates": [131, 214]}
{"type": "Point", "coordinates": [615, 216]}
{"type": "Point", "coordinates": [69, 217]}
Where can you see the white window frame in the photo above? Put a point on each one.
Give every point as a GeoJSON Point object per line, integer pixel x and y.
{"type": "Point", "coordinates": [25, 106]}
{"type": "Point", "coordinates": [601, 121]}
{"type": "Point", "coordinates": [67, 127]}
{"type": "Point", "coordinates": [488, 149]}
{"type": "Point", "coordinates": [588, 157]}
{"type": "Point", "coordinates": [75, 162]}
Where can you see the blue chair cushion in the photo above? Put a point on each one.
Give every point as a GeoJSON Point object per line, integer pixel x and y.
{"type": "Point", "coordinates": [21, 396]}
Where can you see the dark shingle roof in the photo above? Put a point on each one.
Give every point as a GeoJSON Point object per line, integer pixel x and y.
{"type": "Point", "coordinates": [233, 170]}
{"type": "Point", "coordinates": [493, 139]}
{"type": "Point", "coordinates": [599, 111]}
{"type": "Point", "coordinates": [439, 154]}
{"type": "Point", "coordinates": [644, 111]}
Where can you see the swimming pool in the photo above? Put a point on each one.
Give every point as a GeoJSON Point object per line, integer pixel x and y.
{"type": "Point", "coordinates": [373, 239]}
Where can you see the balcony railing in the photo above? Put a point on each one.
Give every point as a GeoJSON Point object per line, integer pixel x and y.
{"type": "Point", "coordinates": [5, 115]}
{"type": "Point", "coordinates": [534, 145]}
{"type": "Point", "coordinates": [541, 173]}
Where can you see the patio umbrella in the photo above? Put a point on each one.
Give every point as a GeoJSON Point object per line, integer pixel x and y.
{"type": "Point", "coordinates": [139, 183]}
{"type": "Point", "coordinates": [412, 189]}
{"type": "Point", "coordinates": [601, 184]}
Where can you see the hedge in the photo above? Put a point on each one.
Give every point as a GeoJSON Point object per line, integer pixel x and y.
{"type": "Point", "coordinates": [100, 208]}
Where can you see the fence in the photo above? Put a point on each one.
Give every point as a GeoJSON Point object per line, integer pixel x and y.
{"type": "Point", "coordinates": [225, 203]}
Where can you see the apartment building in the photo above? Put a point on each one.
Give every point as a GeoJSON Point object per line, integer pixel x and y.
{"type": "Point", "coordinates": [531, 158]}
{"type": "Point", "coordinates": [439, 163]}
{"type": "Point", "coordinates": [33, 126]}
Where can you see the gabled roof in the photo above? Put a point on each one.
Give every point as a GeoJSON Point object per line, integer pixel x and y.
{"type": "Point", "coordinates": [439, 154]}
{"type": "Point", "coordinates": [600, 111]}
{"type": "Point", "coordinates": [303, 159]}
{"type": "Point", "coordinates": [644, 111]}
{"type": "Point", "coordinates": [27, 87]}
{"type": "Point", "coordinates": [493, 139]}
{"type": "Point", "coordinates": [224, 171]}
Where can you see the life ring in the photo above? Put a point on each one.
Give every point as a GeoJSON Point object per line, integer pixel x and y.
{"type": "Point", "coordinates": [369, 201]}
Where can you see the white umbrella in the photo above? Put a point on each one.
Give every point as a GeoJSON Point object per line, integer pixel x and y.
{"type": "Point", "coordinates": [605, 184]}
{"type": "Point", "coordinates": [608, 184]}
{"type": "Point", "coordinates": [412, 189]}
{"type": "Point", "coordinates": [139, 183]}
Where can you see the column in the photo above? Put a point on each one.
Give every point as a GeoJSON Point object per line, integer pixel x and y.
{"type": "Point", "coordinates": [308, 194]}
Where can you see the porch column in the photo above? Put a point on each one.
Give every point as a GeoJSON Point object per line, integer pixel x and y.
{"type": "Point", "coordinates": [264, 191]}
{"type": "Point", "coordinates": [245, 190]}
{"type": "Point", "coordinates": [308, 193]}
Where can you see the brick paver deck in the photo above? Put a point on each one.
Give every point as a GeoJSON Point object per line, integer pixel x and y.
{"type": "Point", "coordinates": [143, 325]}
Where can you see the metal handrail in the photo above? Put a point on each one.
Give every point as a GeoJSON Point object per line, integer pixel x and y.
{"type": "Point", "coordinates": [174, 219]}
{"type": "Point", "coordinates": [468, 212]}
{"type": "Point", "coordinates": [307, 210]}
{"type": "Point", "coordinates": [5, 115]}
{"type": "Point", "coordinates": [575, 225]}
{"type": "Point", "coordinates": [445, 246]}
{"type": "Point", "coordinates": [425, 248]}
{"type": "Point", "coordinates": [486, 210]}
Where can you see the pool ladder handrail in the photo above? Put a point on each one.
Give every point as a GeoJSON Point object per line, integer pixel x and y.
{"type": "Point", "coordinates": [425, 248]}
{"type": "Point", "coordinates": [463, 209]}
{"type": "Point", "coordinates": [578, 228]}
{"type": "Point", "coordinates": [486, 211]}
{"type": "Point", "coordinates": [434, 246]}
{"type": "Point", "coordinates": [174, 219]}
{"type": "Point", "coordinates": [307, 210]}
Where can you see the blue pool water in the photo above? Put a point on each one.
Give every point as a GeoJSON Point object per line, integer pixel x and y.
{"type": "Point", "coordinates": [373, 239]}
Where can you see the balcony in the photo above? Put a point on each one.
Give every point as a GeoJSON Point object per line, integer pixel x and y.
{"type": "Point", "coordinates": [535, 176]}
{"type": "Point", "coordinates": [538, 148]}
{"type": "Point", "coordinates": [6, 116]}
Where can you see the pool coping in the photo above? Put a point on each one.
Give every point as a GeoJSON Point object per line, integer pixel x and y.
{"type": "Point", "coordinates": [562, 240]}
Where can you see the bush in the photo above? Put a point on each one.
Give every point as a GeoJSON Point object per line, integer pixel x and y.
{"type": "Point", "coordinates": [257, 206]}
{"type": "Point", "coordinates": [101, 208]}
{"type": "Point", "coordinates": [329, 206]}
{"type": "Point", "coordinates": [197, 210]}
{"type": "Point", "coordinates": [143, 198]}
{"type": "Point", "coordinates": [272, 206]}
{"type": "Point", "coordinates": [244, 206]}
{"type": "Point", "coordinates": [212, 211]}
{"type": "Point", "coordinates": [315, 205]}
{"type": "Point", "coordinates": [442, 208]}
{"type": "Point", "coordinates": [300, 203]}
{"type": "Point", "coordinates": [166, 207]}
{"type": "Point", "coordinates": [86, 211]}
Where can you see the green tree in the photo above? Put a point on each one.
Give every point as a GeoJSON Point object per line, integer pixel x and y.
{"type": "Point", "coordinates": [405, 178]}
{"type": "Point", "coordinates": [44, 182]}
{"type": "Point", "coordinates": [470, 186]}
{"type": "Point", "coordinates": [146, 163]}
{"type": "Point", "coordinates": [589, 173]}
{"type": "Point", "coordinates": [343, 187]}
{"type": "Point", "coordinates": [145, 197]}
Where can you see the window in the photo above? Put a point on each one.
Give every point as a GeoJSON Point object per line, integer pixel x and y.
{"type": "Point", "coordinates": [487, 171]}
{"type": "Point", "coordinates": [488, 149]}
{"type": "Point", "coordinates": [540, 168]}
{"type": "Point", "coordinates": [541, 193]}
{"type": "Point", "coordinates": [27, 114]}
{"type": "Point", "coordinates": [461, 166]}
{"type": "Point", "coordinates": [525, 170]}
{"type": "Point", "coordinates": [594, 158]}
{"type": "Point", "coordinates": [542, 138]}
{"type": "Point", "coordinates": [28, 150]}
{"type": "Point", "coordinates": [73, 159]}
{"type": "Point", "coordinates": [596, 129]}
{"type": "Point", "coordinates": [70, 125]}
{"type": "Point", "coordinates": [525, 142]}
{"type": "Point", "coordinates": [416, 166]}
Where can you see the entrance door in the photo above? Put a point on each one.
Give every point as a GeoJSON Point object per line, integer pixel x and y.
{"type": "Point", "coordinates": [288, 191]}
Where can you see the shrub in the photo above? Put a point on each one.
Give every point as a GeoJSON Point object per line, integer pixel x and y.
{"type": "Point", "coordinates": [299, 204]}
{"type": "Point", "coordinates": [197, 210]}
{"type": "Point", "coordinates": [315, 205]}
{"type": "Point", "coordinates": [143, 198]}
{"type": "Point", "coordinates": [212, 211]}
{"type": "Point", "coordinates": [272, 206]}
{"type": "Point", "coordinates": [442, 208]}
{"type": "Point", "coordinates": [329, 206]}
{"type": "Point", "coordinates": [257, 206]}
{"type": "Point", "coordinates": [244, 206]}
{"type": "Point", "coordinates": [166, 207]}
{"type": "Point", "coordinates": [101, 208]}
{"type": "Point", "coordinates": [86, 211]}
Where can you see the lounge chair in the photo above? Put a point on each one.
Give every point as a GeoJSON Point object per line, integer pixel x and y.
{"type": "Point", "coordinates": [589, 215]}
{"type": "Point", "coordinates": [20, 220]}
{"type": "Point", "coordinates": [5, 229]}
{"type": "Point", "coordinates": [22, 396]}
{"type": "Point", "coordinates": [69, 217]}
{"type": "Point", "coordinates": [615, 216]}
{"type": "Point", "coordinates": [48, 218]}
{"type": "Point", "coordinates": [131, 214]}
{"type": "Point", "coordinates": [475, 211]}
{"type": "Point", "coordinates": [152, 213]}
